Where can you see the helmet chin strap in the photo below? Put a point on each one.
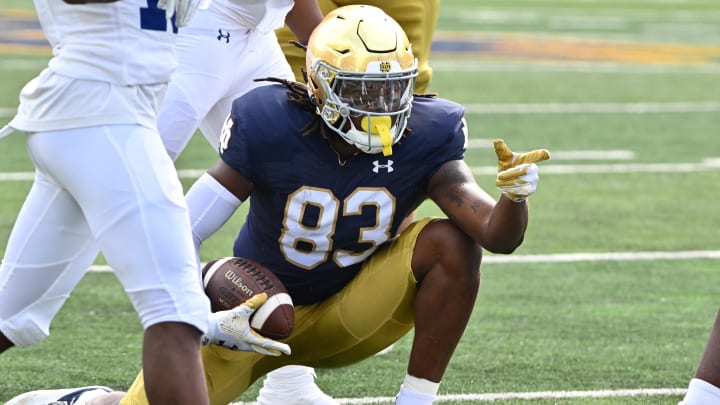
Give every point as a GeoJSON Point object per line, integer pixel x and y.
{"type": "Point", "coordinates": [380, 126]}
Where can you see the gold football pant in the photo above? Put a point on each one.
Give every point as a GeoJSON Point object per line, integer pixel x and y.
{"type": "Point", "coordinates": [374, 310]}
{"type": "Point", "coordinates": [417, 18]}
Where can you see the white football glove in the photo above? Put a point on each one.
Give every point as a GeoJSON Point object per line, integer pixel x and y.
{"type": "Point", "coordinates": [231, 330]}
{"type": "Point", "coordinates": [184, 10]}
{"type": "Point", "coordinates": [517, 176]}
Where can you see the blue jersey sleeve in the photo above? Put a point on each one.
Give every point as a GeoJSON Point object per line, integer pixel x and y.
{"type": "Point", "coordinates": [441, 125]}
{"type": "Point", "coordinates": [260, 139]}
{"type": "Point", "coordinates": [234, 146]}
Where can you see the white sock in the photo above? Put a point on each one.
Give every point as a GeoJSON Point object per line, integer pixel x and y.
{"type": "Point", "coordinates": [701, 393]}
{"type": "Point", "coordinates": [416, 391]}
{"type": "Point", "coordinates": [290, 376]}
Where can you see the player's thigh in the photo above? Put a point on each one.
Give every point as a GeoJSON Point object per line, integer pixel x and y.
{"type": "Point", "coordinates": [129, 192]}
{"type": "Point", "coordinates": [49, 250]}
{"type": "Point", "coordinates": [205, 63]}
{"type": "Point", "coordinates": [262, 59]}
{"type": "Point", "coordinates": [373, 311]}
{"type": "Point", "coordinates": [208, 63]}
{"type": "Point", "coordinates": [206, 67]}
{"type": "Point", "coordinates": [265, 59]}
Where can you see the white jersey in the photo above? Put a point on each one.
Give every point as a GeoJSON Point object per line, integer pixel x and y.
{"type": "Point", "coordinates": [125, 42]}
{"type": "Point", "coordinates": [111, 64]}
{"type": "Point", "coordinates": [261, 15]}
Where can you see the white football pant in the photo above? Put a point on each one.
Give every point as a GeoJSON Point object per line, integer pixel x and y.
{"type": "Point", "coordinates": [112, 187]}
{"type": "Point", "coordinates": [216, 65]}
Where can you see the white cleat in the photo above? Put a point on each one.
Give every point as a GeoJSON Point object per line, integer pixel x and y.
{"type": "Point", "coordinates": [292, 385]}
{"type": "Point", "coordinates": [385, 351]}
{"type": "Point", "coordinates": [65, 396]}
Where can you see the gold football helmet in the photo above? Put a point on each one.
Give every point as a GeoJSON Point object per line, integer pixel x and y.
{"type": "Point", "coordinates": [361, 76]}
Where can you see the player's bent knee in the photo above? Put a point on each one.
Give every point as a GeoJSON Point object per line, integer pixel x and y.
{"type": "Point", "coordinates": [441, 244]}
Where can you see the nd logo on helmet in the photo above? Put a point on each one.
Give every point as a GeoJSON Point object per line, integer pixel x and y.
{"type": "Point", "coordinates": [385, 67]}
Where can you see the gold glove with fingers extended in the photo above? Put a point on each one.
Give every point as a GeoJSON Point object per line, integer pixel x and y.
{"type": "Point", "coordinates": [231, 329]}
{"type": "Point", "coordinates": [517, 176]}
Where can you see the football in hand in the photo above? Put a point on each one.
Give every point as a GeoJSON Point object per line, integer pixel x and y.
{"type": "Point", "coordinates": [230, 281]}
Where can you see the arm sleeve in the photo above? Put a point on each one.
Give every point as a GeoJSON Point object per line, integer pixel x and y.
{"type": "Point", "coordinates": [210, 206]}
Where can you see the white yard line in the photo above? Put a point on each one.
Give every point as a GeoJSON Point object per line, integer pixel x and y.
{"type": "Point", "coordinates": [609, 256]}
{"type": "Point", "coordinates": [592, 155]}
{"type": "Point", "coordinates": [566, 108]}
{"type": "Point", "coordinates": [443, 65]}
{"type": "Point", "coordinates": [574, 257]}
{"type": "Point", "coordinates": [550, 169]}
{"type": "Point", "coordinates": [489, 397]}
{"type": "Point", "coordinates": [709, 164]}
{"type": "Point", "coordinates": [23, 64]}
{"type": "Point", "coordinates": [450, 65]}
{"type": "Point", "coordinates": [7, 112]}
{"type": "Point", "coordinates": [593, 108]}
{"type": "Point", "coordinates": [486, 143]}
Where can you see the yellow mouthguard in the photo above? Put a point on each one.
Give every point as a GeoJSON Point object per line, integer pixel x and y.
{"type": "Point", "coordinates": [381, 126]}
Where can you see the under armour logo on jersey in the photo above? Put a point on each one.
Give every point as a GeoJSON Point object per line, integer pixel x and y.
{"type": "Point", "coordinates": [387, 166]}
{"type": "Point", "coordinates": [222, 36]}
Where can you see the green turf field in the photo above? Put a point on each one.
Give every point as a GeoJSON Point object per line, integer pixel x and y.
{"type": "Point", "coordinates": [616, 285]}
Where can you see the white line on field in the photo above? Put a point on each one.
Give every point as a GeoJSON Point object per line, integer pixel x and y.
{"type": "Point", "coordinates": [443, 64]}
{"type": "Point", "coordinates": [572, 257]}
{"type": "Point", "coordinates": [566, 108]}
{"type": "Point", "coordinates": [609, 256]}
{"type": "Point", "coordinates": [593, 155]}
{"type": "Point", "coordinates": [7, 112]}
{"type": "Point", "coordinates": [450, 65]}
{"type": "Point", "coordinates": [23, 64]}
{"type": "Point", "coordinates": [483, 143]}
{"type": "Point", "coordinates": [594, 108]}
{"type": "Point", "coordinates": [709, 164]}
{"type": "Point", "coordinates": [16, 176]}
{"type": "Point", "coordinates": [520, 395]}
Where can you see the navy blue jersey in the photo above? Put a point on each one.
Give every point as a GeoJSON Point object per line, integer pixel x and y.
{"type": "Point", "coordinates": [312, 220]}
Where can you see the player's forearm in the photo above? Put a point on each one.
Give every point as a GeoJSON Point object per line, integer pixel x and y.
{"type": "Point", "coordinates": [499, 227]}
{"type": "Point", "coordinates": [506, 226]}
{"type": "Point", "coordinates": [303, 18]}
